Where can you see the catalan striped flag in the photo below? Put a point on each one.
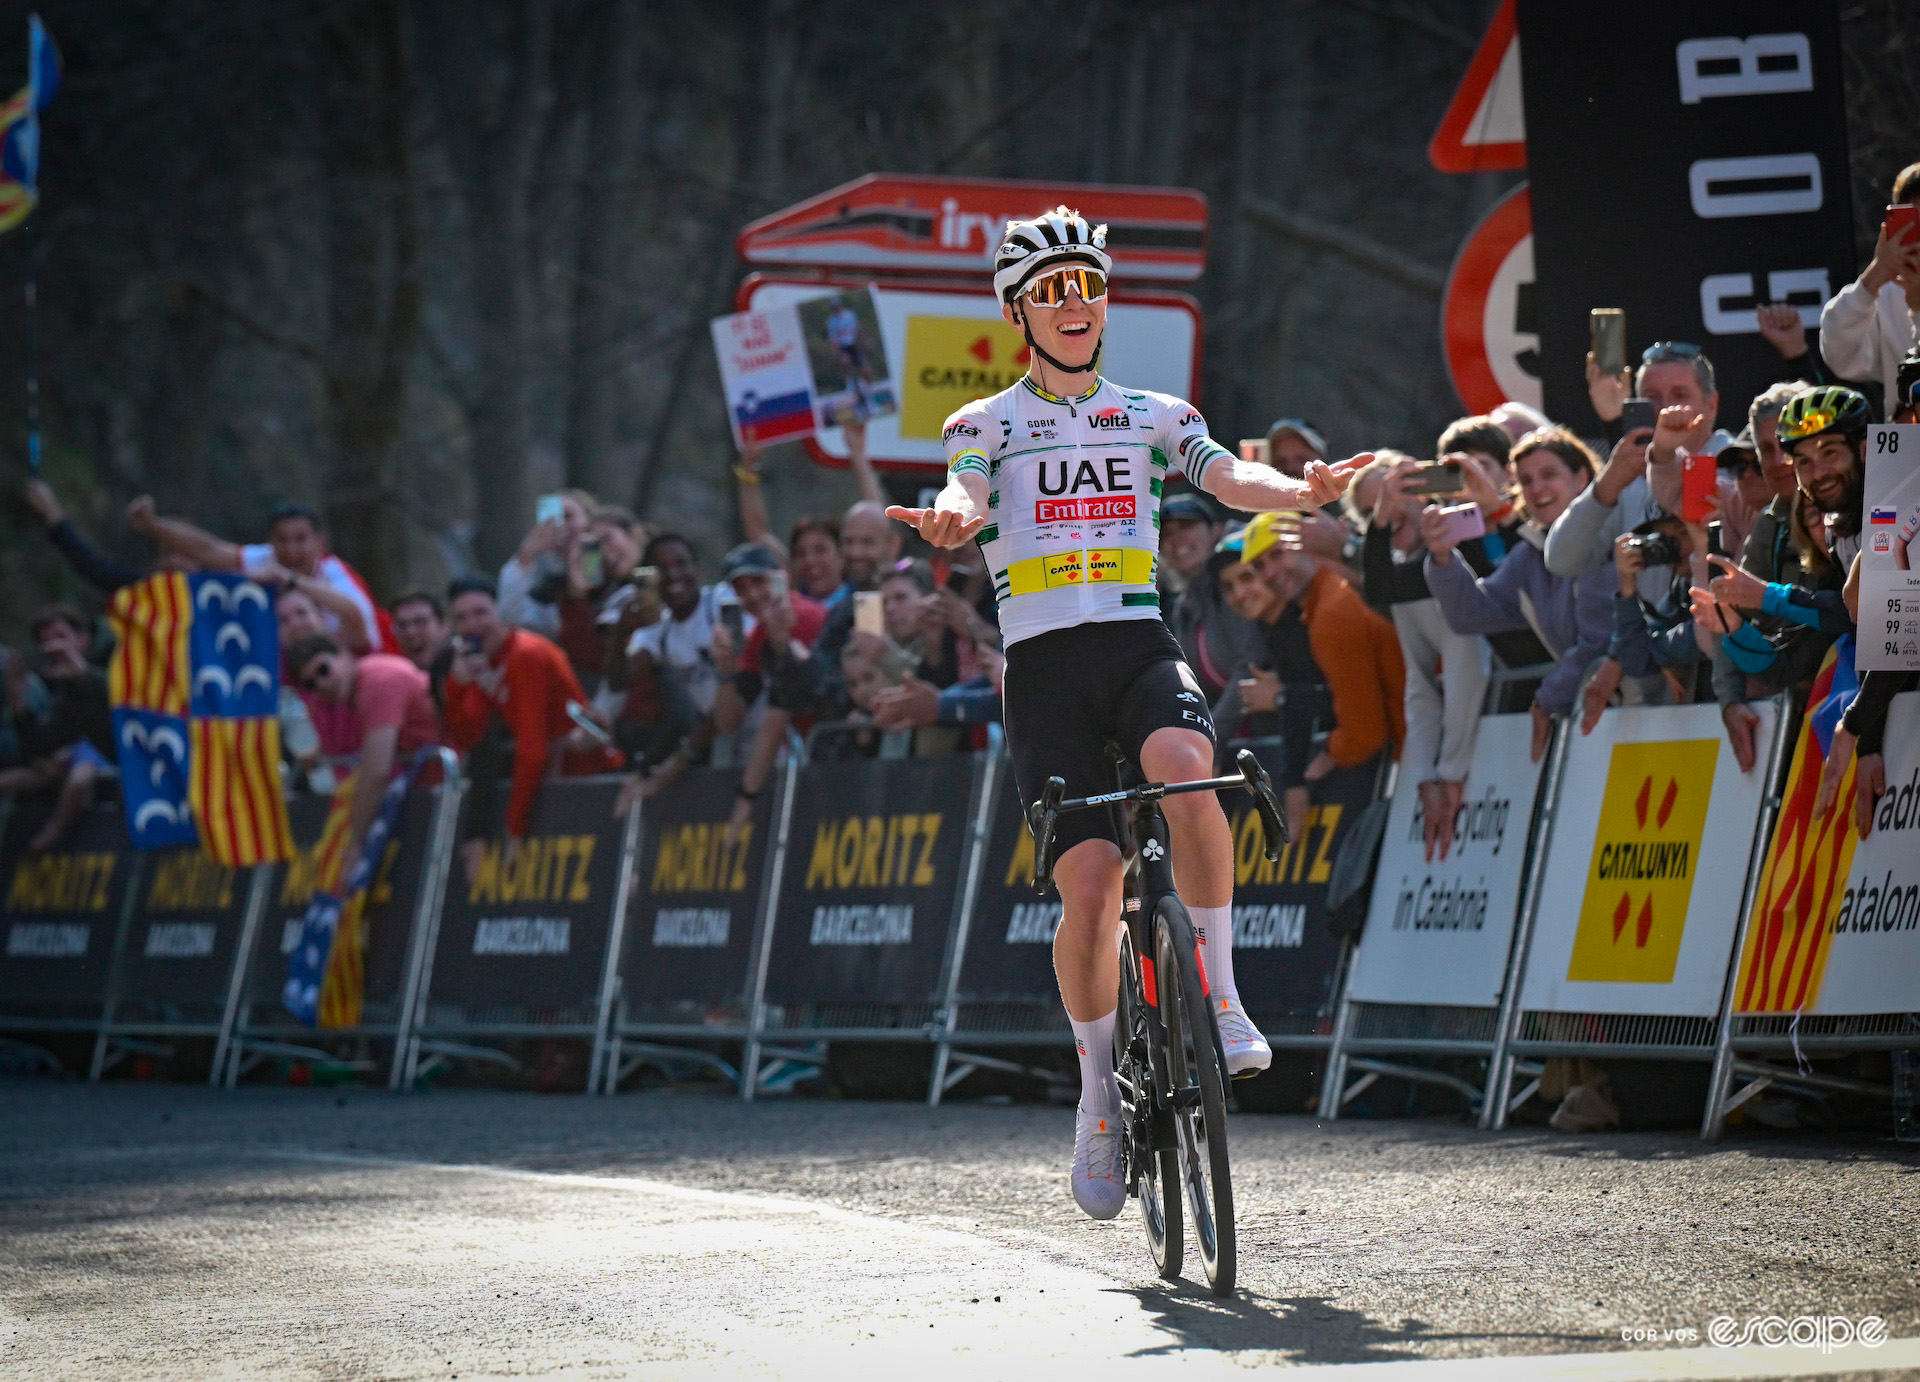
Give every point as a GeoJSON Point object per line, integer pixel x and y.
{"type": "Point", "coordinates": [1808, 859]}
{"type": "Point", "coordinates": [326, 973]}
{"type": "Point", "coordinates": [195, 686]}
{"type": "Point", "coordinates": [20, 128]}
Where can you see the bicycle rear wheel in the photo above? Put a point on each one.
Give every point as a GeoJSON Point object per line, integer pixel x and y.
{"type": "Point", "coordinates": [1198, 1096]}
{"type": "Point", "coordinates": [1154, 1176]}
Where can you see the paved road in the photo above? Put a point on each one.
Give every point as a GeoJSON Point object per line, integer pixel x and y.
{"type": "Point", "coordinates": [176, 1232]}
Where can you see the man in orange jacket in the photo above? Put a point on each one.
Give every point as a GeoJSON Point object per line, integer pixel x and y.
{"type": "Point", "coordinates": [526, 682]}
{"type": "Point", "coordinates": [1355, 649]}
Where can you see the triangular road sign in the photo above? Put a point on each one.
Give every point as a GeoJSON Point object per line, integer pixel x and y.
{"type": "Point", "coordinates": [1484, 128]}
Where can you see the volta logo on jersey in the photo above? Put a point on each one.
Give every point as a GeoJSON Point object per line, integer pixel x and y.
{"type": "Point", "coordinates": [1109, 420]}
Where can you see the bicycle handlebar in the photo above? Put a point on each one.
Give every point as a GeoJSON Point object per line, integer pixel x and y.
{"type": "Point", "coordinates": [1044, 815]}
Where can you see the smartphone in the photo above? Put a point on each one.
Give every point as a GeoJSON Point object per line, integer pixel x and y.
{"type": "Point", "coordinates": [1901, 220]}
{"type": "Point", "coordinates": [867, 614]}
{"type": "Point", "coordinates": [1256, 450]}
{"type": "Point", "coordinates": [593, 563]}
{"type": "Point", "coordinates": [578, 714]}
{"type": "Point", "coordinates": [1463, 522]}
{"type": "Point", "coordinates": [734, 622]}
{"type": "Point", "coordinates": [549, 509]}
{"type": "Point", "coordinates": [1716, 543]}
{"type": "Point", "coordinates": [1699, 484]}
{"type": "Point", "coordinates": [1636, 415]}
{"type": "Point", "coordinates": [1439, 477]}
{"type": "Point", "coordinates": [1607, 333]}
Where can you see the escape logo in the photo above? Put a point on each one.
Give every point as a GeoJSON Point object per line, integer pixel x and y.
{"type": "Point", "coordinates": [1645, 856]}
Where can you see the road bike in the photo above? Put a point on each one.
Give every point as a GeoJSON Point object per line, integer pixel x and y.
{"type": "Point", "coordinates": [1166, 1047]}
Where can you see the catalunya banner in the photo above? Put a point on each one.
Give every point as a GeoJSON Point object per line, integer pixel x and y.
{"type": "Point", "coordinates": [195, 687]}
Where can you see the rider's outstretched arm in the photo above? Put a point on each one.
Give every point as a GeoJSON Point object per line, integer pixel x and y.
{"type": "Point", "coordinates": [1258, 488]}
{"type": "Point", "coordinates": [957, 514]}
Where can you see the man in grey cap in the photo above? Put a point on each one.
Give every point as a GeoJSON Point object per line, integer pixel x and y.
{"type": "Point", "coordinates": [1291, 443]}
{"type": "Point", "coordinates": [1215, 640]}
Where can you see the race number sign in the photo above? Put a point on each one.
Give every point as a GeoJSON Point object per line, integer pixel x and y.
{"type": "Point", "coordinates": [873, 861]}
{"type": "Point", "coordinates": [1439, 929]}
{"type": "Point", "coordinates": [1644, 874]}
{"type": "Point", "coordinates": [1890, 553]}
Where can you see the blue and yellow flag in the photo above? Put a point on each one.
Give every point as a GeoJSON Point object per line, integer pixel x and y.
{"type": "Point", "coordinates": [195, 685]}
{"type": "Point", "coordinates": [20, 128]}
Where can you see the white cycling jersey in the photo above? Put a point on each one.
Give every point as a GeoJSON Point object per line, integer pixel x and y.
{"type": "Point", "coordinates": [1073, 508]}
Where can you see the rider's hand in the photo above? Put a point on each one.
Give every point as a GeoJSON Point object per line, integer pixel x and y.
{"type": "Point", "coordinates": [942, 527]}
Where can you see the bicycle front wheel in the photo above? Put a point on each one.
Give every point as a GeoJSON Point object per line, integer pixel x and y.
{"type": "Point", "coordinates": [1153, 1175]}
{"type": "Point", "coordinates": [1198, 1097]}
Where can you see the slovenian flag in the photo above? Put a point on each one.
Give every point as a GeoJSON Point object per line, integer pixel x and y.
{"type": "Point", "coordinates": [195, 686]}
{"type": "Point", "coordinates": [1883, 515]}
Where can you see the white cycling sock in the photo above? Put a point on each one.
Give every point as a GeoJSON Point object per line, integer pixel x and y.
{"type": "Point", "coordinates": [1213, 927]}
{"type": "Point", "coordinates": [1099, 1091]}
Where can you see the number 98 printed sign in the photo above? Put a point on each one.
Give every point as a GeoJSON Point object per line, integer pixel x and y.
{"type": "Point", "coordinates": [1889, 553]}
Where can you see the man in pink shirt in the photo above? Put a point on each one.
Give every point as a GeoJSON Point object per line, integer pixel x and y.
{"type": "Point", "coordinates": [391, 699]}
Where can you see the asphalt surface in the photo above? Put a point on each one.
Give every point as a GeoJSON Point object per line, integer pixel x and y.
{"type": "Point", "coordinates": [170, 1231]}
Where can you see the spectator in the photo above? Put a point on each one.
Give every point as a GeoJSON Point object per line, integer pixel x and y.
{"type": "Point", "coordinates": [1353, 649]}
{"type": "Point", "coordinates": [1446, 672]}
{"type": "Point", "coordinates": [1216, 641]}
{"type": "Point", "coordinates": [1649, 640]}
{"type": "Point", "coordinates": [779, 657]}
{"type": "Point", "coordinates": [391, 700]}
{"type": "Point", "coordinates": [23, 718]}
{"type": "Point", "coordinates": [294, 555]}
{"type": "Point", "coordinates": [98, 570]}
{"type": "Point", "coordinates": [535, 576]}
{"type": "Point", "coordinates": [521, 683]}
{"type": "Point", "coordinates": [814, 549]}
{"type": "Point", "coordinates": [420, 630]}
{"type": "Point", "coordinates": [599, 582]}
{"type": "Point", "coordinates": [938, 630]}
{"type": "Point", "coordinates": [1291, 443]}
{"type": "Point", "coordinates": [1867, 326]}
{"type": "Point", "coordinates": [74, 743]}
{"type": "Point", "coordinates": [1753, 471]}
{"type": "Point", "coordinates": [1516, 420]}
{"type": "Point", "coordinates": [1572, 616]}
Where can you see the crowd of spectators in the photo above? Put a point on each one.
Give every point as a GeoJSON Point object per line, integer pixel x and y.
{"type": "Point", "coordinates": [1526, 564]}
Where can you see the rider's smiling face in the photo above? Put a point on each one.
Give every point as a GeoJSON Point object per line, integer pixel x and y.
{"type": "Point", "coordinates": [1069, 332]}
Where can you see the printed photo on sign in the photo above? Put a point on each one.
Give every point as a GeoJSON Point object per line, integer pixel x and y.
{"type": "Point", "coordinates": [847, 359]}
{"type": "Point", "coordinates": [1648, 863]}
{"type": "Point", "coordinates": [1890, 553]}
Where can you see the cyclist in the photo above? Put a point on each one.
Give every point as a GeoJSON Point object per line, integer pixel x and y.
{"type": "Point", "coordinates": [1059, 477]}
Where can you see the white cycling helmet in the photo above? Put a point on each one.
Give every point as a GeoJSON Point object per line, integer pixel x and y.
{"type": "Point", "coordinates": [1029, 246]}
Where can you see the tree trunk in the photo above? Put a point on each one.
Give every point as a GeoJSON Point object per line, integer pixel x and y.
{"type": "Point", "coordinates": [373, 252]}
{"type": "Point", "coordinates": [606, 240]}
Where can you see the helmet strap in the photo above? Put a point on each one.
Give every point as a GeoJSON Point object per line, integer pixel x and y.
{"type": "Point", "coordinates": [1026, 328]}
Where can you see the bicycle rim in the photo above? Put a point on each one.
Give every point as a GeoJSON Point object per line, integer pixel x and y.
{"type": "Point", "coordinates": [1153, 1173]}
{"type": "Point", "coordinates": [1199, 1096]}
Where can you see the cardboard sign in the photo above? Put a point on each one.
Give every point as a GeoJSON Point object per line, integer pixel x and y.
{"type": "Point", "coordinates": [765, 375]}
{"type": "Point", "coordinates": [1890, 553]}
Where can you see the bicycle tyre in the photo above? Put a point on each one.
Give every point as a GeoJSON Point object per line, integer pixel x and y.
{"type": "Point", "coordinates": [1200, 1125]}
{"type": "Point", "coordinates": [1154, 1173]}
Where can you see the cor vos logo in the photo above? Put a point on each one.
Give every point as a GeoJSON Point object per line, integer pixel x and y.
{"type": "Point", "coordinates": [551, 868]}
{"type": "Point", "coordinates": [875, 851]}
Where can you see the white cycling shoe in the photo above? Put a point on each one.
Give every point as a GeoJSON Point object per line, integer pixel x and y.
{"type": "Point", "coordinates": [1246, 1050]}
{"type": "Point", "coordinates": [1097, 1186]}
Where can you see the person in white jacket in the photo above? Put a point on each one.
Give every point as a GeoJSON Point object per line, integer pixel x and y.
{"type": "Point", "coordinates": [1868, 325]}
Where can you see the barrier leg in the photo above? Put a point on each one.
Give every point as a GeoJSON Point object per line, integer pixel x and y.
{"type": "Point", "coordinates": [1720, 1084]}
{"type": "Point", "coordinates": [1333, 1082]}
{"type": "Point", "coordinates": [757, 996]}
{"type": "Point", "coordinates": [136, 875]}
{"type": "Point", "coordinates": [258, 892]}
{"type": "Point", "coordinates": [1496, 1102]}
{"type": "Point", "coordinates": [616, 934]}
{"type": "Point", "coordinates": [985, 798]}
{"type": "Point", "coordinates": [426, 926]}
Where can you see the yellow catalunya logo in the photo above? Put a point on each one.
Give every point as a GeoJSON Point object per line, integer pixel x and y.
{"type": "Point", "coordinates": [950, 362]}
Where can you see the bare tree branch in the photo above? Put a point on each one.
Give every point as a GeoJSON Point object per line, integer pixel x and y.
{"type": "Point", "coordinates": [251, 324]}
{"type": "Point", "coordinates": [1381, 260]}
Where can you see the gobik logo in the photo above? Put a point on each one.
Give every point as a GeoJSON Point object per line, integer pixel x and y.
{"type": "Point", "coordinates": [1646, 853]}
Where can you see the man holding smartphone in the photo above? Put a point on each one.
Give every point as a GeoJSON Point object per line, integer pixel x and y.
{"type": "Point", "coordinates": [1867, 326]}
{"type": "Point", "coordinates": [1060, 477]}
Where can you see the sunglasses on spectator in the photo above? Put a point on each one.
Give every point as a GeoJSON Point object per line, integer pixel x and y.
{"type": "Point", "coordinates": [317, 672]}
{"type": "Point", "coordinates": [1050, 289]}
{"type": "Point", "coordinates": [1670, 350]}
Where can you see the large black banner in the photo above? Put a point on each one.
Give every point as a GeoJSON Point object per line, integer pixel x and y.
{"type": "Point", "coordinates": [389, 913]}
{"type": "Point", "coordinates": [1687, 162]}
{"type": "Point", "coordinates": [186, 926]}
{"type": "Point", "coordinates": [1009, 956]}
{"type": "Point", "coordinates": [59, 915]}
{"type": "Point", "coordinates": [1285, 959]}
{"type": "Point", "coordinates": [872, 866]}
{"type": "Point", "coordinates": [690, 925]}
{"type": "Point", "coordinates": [530, 932]}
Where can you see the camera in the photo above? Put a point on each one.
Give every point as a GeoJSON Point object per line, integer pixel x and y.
{"type": "Point", "coordinates": [1655, 549]}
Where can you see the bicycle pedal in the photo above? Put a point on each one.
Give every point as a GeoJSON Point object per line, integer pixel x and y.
{"type": "Point", "coordinates": [1185, 1098]}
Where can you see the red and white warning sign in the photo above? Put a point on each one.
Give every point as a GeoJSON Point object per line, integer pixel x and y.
{"type": "Point", "coordinates": [1484, 128]}
{"type": "Point", "coordinates": [1486, 320]}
